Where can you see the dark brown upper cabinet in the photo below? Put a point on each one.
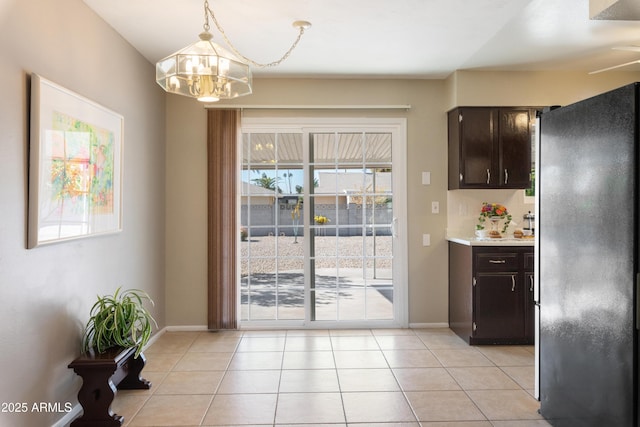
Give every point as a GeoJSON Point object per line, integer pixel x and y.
{"type": "Point", "coordinates": [490, 147]}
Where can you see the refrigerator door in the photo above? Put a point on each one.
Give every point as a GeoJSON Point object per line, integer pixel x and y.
{"type": "Point", "coordinates": [587, 235]}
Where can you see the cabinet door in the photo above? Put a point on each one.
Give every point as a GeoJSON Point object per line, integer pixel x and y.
{"type": "Point", "coordinates": [515, 148]}
{"type": "Point", "coordinates": [477, 133]}
{"type": "Point", "coordinates": [498, 306]}
{"type": "Point", "coordinates": [529, 308]}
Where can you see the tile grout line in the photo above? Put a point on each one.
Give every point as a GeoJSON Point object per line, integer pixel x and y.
{"type": "Point", "coordinates": [446, 368]}
{"type": "Point", "coordinates": [402, 390]}
{"type": "Point", "coordinates": [153, 392]}
{"type": "Point", "coordinates": [226, 370]}
{"type": "Point", "coordinates": [499, 367]}
{"type": "Point", "coordinates": [284, 350]}
{"type": "Point", "coordinates": [235, 352]}
{"type": "Point", "coordinates": [335, 367]}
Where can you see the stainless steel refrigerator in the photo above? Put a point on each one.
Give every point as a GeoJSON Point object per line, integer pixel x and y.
{"type": "Point", "coordinates": [588, 256]}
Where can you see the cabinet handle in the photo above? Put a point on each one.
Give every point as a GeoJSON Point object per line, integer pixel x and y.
{"type": "Point", "coordinates": [488, 176]}
{"type": "Point", "coordinates": [497, 261]}
{"type": "Point", "coordinates": [531, 280]}
{"type": "Point", "coordinates": [513, 283]}
{"type": "Point", "coordinates": [461, 177]}
{"type": "Point", "coordinates": [506, 176]}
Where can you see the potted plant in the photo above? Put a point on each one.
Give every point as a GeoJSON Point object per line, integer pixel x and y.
{"type": "Point", "coordinates": [119, 320]}
{"type": "Point", "coordinates": [495, 213]}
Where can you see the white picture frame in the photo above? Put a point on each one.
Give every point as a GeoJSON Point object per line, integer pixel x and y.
{"type": "Point", "coordinates": [75, 166]}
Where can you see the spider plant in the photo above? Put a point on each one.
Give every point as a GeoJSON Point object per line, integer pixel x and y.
{"type": "Point", "coordinates": [119, 320]}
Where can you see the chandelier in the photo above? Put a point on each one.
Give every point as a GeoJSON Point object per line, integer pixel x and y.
{"type": "Point", "coordinates": [208, 72]}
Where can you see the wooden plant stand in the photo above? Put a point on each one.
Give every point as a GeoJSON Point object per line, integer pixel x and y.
{"type": "Point", "coordinates": [101, 374]}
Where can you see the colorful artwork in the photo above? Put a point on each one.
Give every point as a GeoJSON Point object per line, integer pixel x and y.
{"type": "Point", "coordinates": [75, 166]}
{"type": "Point", "coordinates": [82, 163]}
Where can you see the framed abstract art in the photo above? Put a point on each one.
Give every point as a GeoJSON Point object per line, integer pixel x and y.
{"type": "Point", "coordinates": [75, 166]}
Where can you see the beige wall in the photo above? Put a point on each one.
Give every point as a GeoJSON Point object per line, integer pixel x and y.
{"type": "Point", "coordinates": [427, 151]}
{"type": "Point", "coordinates": [186, 274]}
{"type": "Point", "coordinates": [47, 292]}
{"type": "Point", "coordinates": [540, 88]}
{"type": "Point", "coordinates": [186, 207]}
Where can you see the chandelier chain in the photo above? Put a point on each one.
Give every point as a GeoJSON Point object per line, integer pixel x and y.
{"type": "Point", "coordinates": [209, 12]}
{"type": "Point", "coordinates": [206, 16]}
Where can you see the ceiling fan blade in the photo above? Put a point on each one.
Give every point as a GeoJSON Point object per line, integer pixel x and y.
{"type": "Point", "coordinates": [627, 48]}
{"type": "Point", "coordinates": [637, 61]}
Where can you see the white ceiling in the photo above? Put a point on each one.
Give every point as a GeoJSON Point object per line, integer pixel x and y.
{"type": "Point", "coordinates": [384, 38]}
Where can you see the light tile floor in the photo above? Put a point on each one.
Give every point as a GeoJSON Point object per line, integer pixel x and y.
{"type": "Point", "coordinates": [408, 377]}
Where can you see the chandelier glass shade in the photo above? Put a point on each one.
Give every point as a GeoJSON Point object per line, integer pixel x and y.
{"type": "Point", "coordinates": [207, 71]}
{"type": "Point", "coordinates": [204, 70]}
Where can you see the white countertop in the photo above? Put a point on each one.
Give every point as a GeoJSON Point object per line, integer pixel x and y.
{"type": "Point", "coordinates": [474, 241]}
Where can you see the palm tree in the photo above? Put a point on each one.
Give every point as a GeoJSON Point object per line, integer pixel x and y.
{"type": "Point", "coordinates": [288, 176]}
{"type": "Point", "coordinates": [267, 182]}
{"type": "Point", "coordinates": [300, 188]}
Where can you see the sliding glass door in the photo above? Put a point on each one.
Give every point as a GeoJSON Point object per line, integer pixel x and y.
{"type": "Point", "coordinates": [320, 234]}
{"type": "Point", "coordinates": [272, 259]}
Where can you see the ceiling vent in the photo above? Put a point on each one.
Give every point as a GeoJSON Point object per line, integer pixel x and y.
{"type": "Point", "coordinates": [614, 10]}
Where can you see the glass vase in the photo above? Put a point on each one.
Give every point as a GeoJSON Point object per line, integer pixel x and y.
{"type": "Point", "coordinates": [495, 227]}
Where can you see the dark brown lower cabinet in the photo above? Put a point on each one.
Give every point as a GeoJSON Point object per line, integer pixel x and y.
{"type": "Point", "coordinates": [491, 293]}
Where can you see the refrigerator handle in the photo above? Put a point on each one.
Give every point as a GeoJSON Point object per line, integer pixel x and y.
{"type": "Point", "coordinates": [638, 301]}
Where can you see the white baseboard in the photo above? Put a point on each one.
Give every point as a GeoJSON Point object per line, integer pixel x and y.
{"type": "Point", "coordinates": [68, 417]}
{"type": "Point", "coordinates": [187, 328]}
{"type": "Point", "coordinates": [201, 328]}
{"type": "Point", "coordinates": [428, 325]}
{"type": "Point", "coordinates": [155, 337]}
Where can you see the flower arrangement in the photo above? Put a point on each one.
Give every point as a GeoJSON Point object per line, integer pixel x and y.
{"type": "Point", "coordinates": [320, 219]}
{"type": "Point", "coordinates": [493, 211]}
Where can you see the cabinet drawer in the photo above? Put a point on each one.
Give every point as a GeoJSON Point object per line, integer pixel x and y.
{"type": "Point", "coordinates": [506, 261]}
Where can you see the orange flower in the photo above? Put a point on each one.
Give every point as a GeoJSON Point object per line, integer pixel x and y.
{"type": "Point", "coordinates": [489, 210]}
